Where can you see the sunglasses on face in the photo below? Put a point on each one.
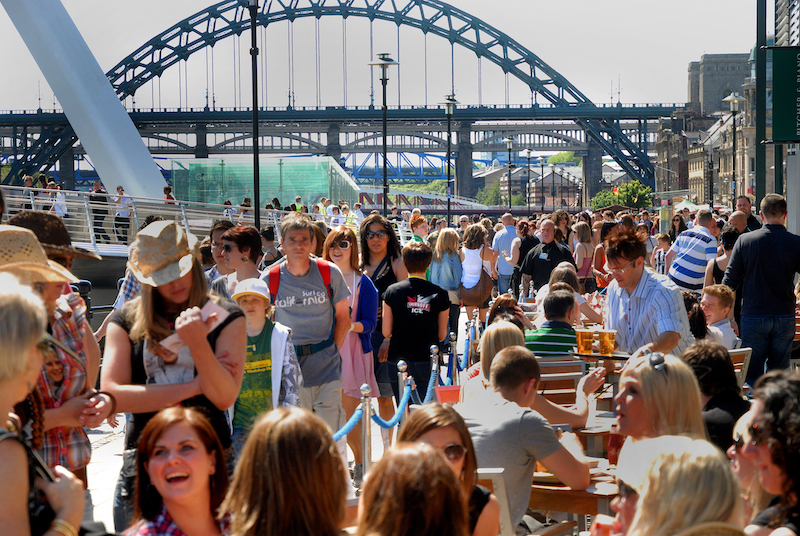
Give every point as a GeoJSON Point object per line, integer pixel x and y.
{"type": "Point", "coordinates": [376, 234]}
{"type": "Point", "coordinates": [454, 451]}
{"type": "Point", "coordinates": [738, 442]}
{"type": "Point", "coordinates": [625, 490]}
{"type": "Point", "coordinates": [341, 244]}
{"type": "Point", "coordinates": [227, 248]}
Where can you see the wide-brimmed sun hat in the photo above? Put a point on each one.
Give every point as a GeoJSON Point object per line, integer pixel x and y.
{"type": "Point", "coordinates": [21, 254]}
{"type": "Point", "coordinates": [251, 286]}
{"type": "Point", "coordinates": [52, 234]}
{"type": "Point", "coordinates": [162, 253]}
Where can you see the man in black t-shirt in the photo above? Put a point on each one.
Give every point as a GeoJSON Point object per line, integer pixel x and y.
{"type": "Point", "coordinates": [415, 313]}
{"type": "Point", "coordinates": [544, 257]}
{"type": "Point", "coordinates": [99, 200]}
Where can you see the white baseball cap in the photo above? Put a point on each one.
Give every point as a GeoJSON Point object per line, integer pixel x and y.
{"type": "Point", "coordinates": [251, 286]}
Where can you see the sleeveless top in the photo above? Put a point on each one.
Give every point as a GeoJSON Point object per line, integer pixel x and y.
{"type": "Point", "coordinates": [383, 278]}
{"type": "Point", "coordinates": [716, 273]}
{"type": "Point", "coordinates": [477, 501]}
{"type": "Point", "coordinates": [585, 269]}
{"type": "Point", "coordinates": [526, 244]}
{"type": "Point", "coordinates": [472, 266]}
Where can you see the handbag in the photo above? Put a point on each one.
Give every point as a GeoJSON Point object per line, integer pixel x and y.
{"type": "Point", "coordinates": [478, 294]}
{"type": "Point", "coordinates": [590, 285]}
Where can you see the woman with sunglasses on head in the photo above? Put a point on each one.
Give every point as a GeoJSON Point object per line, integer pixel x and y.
{"type": "Point", "coordinates": [660, 485]}
{"type": "Point", "coordinates": [162, 351]}
{"type": "Point", "coordinates": [182, 476]}
{"type": "Point", "coordinates": [24, 496]}
{"type": "Point", "coordinates": [658, 395]}
{"type": "Point", "coordinates": [341, 249]}
{"type": "Point", "coordinates": [774, 447]}
{"type": "Point", "coordinates": [444, 429]}
{"type": "Point", "coordinates": [241, 248]}
{"type": "Point", "coordinates": [382, 261]}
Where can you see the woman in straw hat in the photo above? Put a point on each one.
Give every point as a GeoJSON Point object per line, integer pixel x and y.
{"type": "Point", "coordinates": [23, 498]}
{"type": "Point", "coordinates": [174, 344]}
{"type": "Point", "coordinates": [59, 434]}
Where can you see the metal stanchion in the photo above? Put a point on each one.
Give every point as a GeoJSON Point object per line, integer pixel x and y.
{"type": "Point", "coordinates": [402, 367]}
{"type": "Point", "coordinates": [366, 420]}
{"type": "Point", "coordinates": [434, 349]}
{"type": "Point", "coordinates": [453, 359]}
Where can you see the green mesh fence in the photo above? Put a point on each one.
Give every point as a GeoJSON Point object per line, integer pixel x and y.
{"type": "Point", "coordinates": [214, 181]}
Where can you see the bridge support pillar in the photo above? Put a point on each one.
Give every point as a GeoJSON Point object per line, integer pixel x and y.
{"type": "Point", "coordinates": [66, 169]}
{"type": "Point", "coordinates": [592, 171]}
{"type": "Point", "coordinates": [334, 148]}
{"type": "Point", "coordinates": [465, 186]}
{"type": "Point", "coordinates": [201, 143]}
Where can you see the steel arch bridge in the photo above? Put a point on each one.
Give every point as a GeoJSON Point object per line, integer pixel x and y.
{"type": "Point", "coordinates": [231, 17]}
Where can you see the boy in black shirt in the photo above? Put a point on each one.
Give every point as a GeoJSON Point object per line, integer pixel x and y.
{"type": "Point", "coordinates": [415, 313]}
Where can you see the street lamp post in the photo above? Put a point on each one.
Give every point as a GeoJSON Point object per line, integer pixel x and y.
{"type": "Point", "coordinates": [541, 188]}
{"type": "Point", "coordinates": [253, 6]}
{"type": "Point", "coordinates": [733, 100]}
{"type": "Point", "coordinates": [384, 61]}
{"type": "Point", "coordinates": [449, 104]}
{"type": "Point", "coordinates": [509, 144]}
{"type": "Point", "coordinates": [528, 153]}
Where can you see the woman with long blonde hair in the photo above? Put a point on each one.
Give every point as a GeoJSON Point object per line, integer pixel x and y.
{"type": "Point", "coordinates": [583, 255]}
{"type": "Point", "coordinates": [446, 272]}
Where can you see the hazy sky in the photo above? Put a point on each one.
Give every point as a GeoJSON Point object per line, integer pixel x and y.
{"type": "Point", "coordinates": [644, 44]}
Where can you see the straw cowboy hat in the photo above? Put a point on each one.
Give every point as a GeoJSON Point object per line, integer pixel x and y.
{"type": "Point", "coordinates": [162, 253]}
{"type": "Point", "coordinates": [52, 234]}
{"type": "Point", "coordinates": [21, 254]}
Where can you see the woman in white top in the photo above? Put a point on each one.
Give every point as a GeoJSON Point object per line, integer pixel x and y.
{"type": "Point", "coordinates": [477, 256]}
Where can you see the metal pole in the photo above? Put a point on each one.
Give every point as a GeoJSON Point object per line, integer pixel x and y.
{"type": "Point", "coordinates": [366, 418]}
{"type": "Point", "coordinates": [449, 187]}
{"type": "Point", "coordinates": [434, 349]}
{"type": "Point", "coordinates": [528, 187]}
{"type": "Point", "coordinates": [509, 178]}
{"type": "Point", "coordinates": [454, 358]}
{"type": "Point", "coordinates": [734, 150]}
{"type": "Point", "coordinates": [254, 63]}
{"type": "Point", "coordinates": [384, 81]}
{"type": "Point", "coordinates": [542, 186]}
{"type": "Point", "coordinates": [402, 367]}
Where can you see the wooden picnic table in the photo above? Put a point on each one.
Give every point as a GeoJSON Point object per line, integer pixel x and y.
{"type": "Point", "coordinates": [594, 500]}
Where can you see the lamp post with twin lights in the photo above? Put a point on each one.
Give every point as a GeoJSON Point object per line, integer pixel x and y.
{"type": "Point", "coordinates": [449, 104]}
{"type": "Point", "coordinates": [384, 61]}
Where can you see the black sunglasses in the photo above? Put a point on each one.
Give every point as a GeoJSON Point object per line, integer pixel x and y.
{"type": "Point", "coordinates": [625, 490]}
{"type": "Point", "coordinates": [227, 248]}
{"type": "Point", "coordinates": [376, 234]}
{"type": "Point", "coordinates": [656, 360]}
{"type": "Point", "coordinates": [454, 452]}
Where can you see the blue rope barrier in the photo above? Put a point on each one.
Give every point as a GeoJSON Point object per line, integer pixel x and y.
{"type": "Point", "coordinates": [349, 425]}
{"type": "Point", "coordinates": [449, 376]}
{"type": "Point", "coordinates": [463, 363]}
{"type": "Point", "coordinates": [431, 382]}
{"type": "Point", "coordinates": [391, 423]}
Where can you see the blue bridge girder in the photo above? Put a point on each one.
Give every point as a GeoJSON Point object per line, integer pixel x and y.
{"type": "Point", "coordinates": [231, 17]}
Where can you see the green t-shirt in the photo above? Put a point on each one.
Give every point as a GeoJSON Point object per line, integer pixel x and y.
{"type": "Point", "coordinates": [255, 396]}
{"type": "Point", "coordinates": [551, 340]}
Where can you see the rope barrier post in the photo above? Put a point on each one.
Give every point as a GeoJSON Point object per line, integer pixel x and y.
{"type": "Point", "coordinates": [366, 419]}
{"type": "Point", "coordinates": [402, 367]}
{"type": "Point", "coordinates": [453, 360]}
{"type": "Point", "coordinates": [434, 349]}
{"type": "Point", "coordinates": [476, 322]}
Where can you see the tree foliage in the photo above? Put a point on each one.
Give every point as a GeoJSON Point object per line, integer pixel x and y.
{"type": "Point", "coordinates": [565, 157]}
{"type": "Point", "coordinates": [518, 200]}
{"type": "Point", "coordinates": [490, 196]}
{"type": "Point", "coordinates": [630, 194]}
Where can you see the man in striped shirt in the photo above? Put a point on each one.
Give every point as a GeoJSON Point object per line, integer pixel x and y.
{"type": "Point", "coordinates": [689, 255]}
{"type": "Point", "coordinates": [556, 337]}
{"type": "Point", "coordinates": [646, 309]}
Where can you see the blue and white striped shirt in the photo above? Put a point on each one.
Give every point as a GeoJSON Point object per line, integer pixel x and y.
{"type": "Point", "coordinates": [693, 249]}
{"type": "Point", "coordinates": [655, 306]}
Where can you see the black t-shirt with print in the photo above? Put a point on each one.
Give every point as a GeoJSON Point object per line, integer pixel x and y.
{"type": "Point", "coordinates": [415, 305]}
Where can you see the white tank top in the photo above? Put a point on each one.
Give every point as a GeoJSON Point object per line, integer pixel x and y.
{"type": "Point", "coordinates": [471, 267]}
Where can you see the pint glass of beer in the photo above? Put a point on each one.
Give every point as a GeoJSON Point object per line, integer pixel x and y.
{"type": "Point", "coordinates": [607, 337]}
{"type": "Point", "coordinates": [585, 338]}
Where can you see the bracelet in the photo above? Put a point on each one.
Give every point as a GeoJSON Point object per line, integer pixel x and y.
{"type": "Point", "coordinates": [62, 527]}
{"type": "Point", "coordinates": [113, 402]}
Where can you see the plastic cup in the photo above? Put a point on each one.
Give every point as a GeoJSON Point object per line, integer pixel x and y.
{"type": "Point", "coordinates": [585, 338]}
{"type": "Point", "coordinates": [607, 337]}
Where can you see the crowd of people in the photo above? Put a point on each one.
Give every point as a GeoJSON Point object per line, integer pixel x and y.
{"type": "Point", "coordinates": [234, 368]}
